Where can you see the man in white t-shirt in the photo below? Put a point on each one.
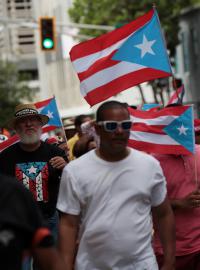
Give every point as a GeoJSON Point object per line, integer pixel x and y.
{"type": "Point", "coordinates": [105, 199]}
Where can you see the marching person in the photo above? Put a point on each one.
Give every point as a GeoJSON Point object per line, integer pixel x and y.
{"type": "Point", "coordinates": [106, 197]}
{"type": "Point", "coordinates": [79, 120]}
{"type": "Point", "coordinates": [36, 164]}
{"type": "Point", "coordinates": [183, 186]}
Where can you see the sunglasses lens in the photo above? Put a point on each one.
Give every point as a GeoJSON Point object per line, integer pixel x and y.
{"type": "Point", "coordinates": [126, 125]}
{"type": "Point", "coordinates": [111, 126]}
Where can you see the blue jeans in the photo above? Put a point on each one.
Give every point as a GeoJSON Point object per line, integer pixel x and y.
{"type": "Point", "coordinates": [52, 224]}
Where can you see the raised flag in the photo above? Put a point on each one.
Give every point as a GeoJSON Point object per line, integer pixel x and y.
{"type": "Point", "coordinates": [177, 96]}
{"type": "Point", "coordinates": [168, 131]}
{"type": "Point", "coordinates": [120, 59]}
{"type": "Point", "coordinates": [48, 107]}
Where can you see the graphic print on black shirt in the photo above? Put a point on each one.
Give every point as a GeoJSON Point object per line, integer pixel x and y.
{"type": "Point", "coordinates": [34, 176]}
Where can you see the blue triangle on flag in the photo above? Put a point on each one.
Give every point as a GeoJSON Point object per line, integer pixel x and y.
{"type": "Point", "coordinates": [182, 130]}
{"type": "Point", "coordinates": [51, 111]}
{"type": "Point", "coordinates": [146, 47]}
{"type": "Point", "coordinates": [148, 106]}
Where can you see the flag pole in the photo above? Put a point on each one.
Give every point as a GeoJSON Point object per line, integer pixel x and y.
{"type": "Point", "coordinates": [62, 126]}
{"type": "Point", "coordinates": [175, 86]}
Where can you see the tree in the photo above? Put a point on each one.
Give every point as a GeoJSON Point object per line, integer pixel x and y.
{"type": "Point", "coordinates": [115, 12]}
{"type": "Point", "coordinates": [13, 90]}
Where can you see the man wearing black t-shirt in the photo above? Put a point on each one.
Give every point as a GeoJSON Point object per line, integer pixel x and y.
{"type": "Point", "coordinates": [21, 227]}
{"type": "Point", "coordinates": [36, 164]}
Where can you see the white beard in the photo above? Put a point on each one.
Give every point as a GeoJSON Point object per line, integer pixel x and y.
{"type": "Point", "coordinates": [31, 139]}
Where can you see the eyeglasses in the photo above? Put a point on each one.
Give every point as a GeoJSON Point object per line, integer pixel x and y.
{"type": "Point", "coordinates": [111, 126]}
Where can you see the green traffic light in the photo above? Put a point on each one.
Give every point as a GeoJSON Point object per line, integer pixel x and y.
{"type": "Point", "coordinates": [48, 43]}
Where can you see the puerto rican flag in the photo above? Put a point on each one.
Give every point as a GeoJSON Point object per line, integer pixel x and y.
{"type": "Point", "coordinates": [34, 176]}
{"type": "Point", "coordinates": [48, 107]}
{"type": "Point", "coordinates": [168, 131]}
{"type": "Point", "coordinates": [120, 59]}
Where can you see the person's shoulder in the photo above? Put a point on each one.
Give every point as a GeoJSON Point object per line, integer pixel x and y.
{"type": "Point", "coordinates": [52, 148]}
{"type": "Point", "coordinates": [81, 161]}
{"type": "Point", "coordinates": [10, 149]}
{"type": "Point", "coordinates": [73, 139]}
{"type": "Point", "coordinates": [145, 159]}
{"type": "Point", "coordinates": [142, 155]}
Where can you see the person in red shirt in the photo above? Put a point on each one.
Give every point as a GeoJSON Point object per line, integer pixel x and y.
{"type": "Point", "coordinates": [183, 186]}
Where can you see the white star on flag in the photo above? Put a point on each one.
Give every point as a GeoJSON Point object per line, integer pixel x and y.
{"type": "Point", "coordinates": [32, 169]}
{"type": "Point", "coordinates": [182, 130]}
{"type": "Point", "coordinates": [50, 114]}
{"type": "Point", "coordinates": [145, 46]}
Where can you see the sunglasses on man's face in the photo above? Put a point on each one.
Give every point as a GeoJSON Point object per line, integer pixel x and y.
{"type": "Point", "coordinates": [112, 126]}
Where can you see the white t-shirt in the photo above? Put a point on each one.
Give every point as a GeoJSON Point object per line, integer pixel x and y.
{"type": "Point", "coordinates": [114, 200]}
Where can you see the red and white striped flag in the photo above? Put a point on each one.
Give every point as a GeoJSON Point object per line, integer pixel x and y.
{"type": "Point", "coordinates": [47, 107]}
{"type": "Point", "coordinates": [177, 96]}
{"type": "Point", "coordinates": [168, 131]}
{"type": "Point", "coordinates": [102, 74]}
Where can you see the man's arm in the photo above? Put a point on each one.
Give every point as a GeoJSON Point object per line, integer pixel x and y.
{"type": "Point", "coordinates": [48, 259]}
{"type": "Point", "coordinates": [68, 231]}
{"type": "Point", "coordinates": [164, 218]}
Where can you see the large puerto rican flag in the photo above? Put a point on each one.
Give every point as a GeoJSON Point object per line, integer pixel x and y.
{"type": "Point", "coordinates": [48, 107]}
{"type": "Point", "coordinates": [120, 59]}
{"type": "Point", "coordinates": [168, 131]}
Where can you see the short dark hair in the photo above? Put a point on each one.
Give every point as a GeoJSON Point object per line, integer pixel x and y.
{"type": "Point", "coordinates": [109, 105]}
{"type": "Point", "coordinates": [79, 120]}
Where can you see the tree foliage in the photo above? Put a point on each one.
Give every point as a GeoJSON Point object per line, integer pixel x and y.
{"type": "Point", "coordinates": [13, 90]}
{"type": "Point", "coordinates": [113, 12]}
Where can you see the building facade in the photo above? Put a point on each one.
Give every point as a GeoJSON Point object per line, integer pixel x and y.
{"type": "Point", "coordinates": [188, 54]}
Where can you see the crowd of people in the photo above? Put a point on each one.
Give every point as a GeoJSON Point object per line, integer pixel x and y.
{"type": "Point", "coordinates": [93, 203]}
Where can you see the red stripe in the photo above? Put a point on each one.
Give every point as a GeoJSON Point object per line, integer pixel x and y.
{"type": "Point", "coordinates": [176, 111]}
{"type": "Point", "coordinates": [12, 140]}
{"type": "Point", "coordinates": [158, 148]}
{"type": "Point", "coordinates": [48, 128]}
{"type": "Point", "coordinates": [100, 64]}
{"type": "Point", "coordinates": [150, 129]}
{"type": "Point", "coordinates": [45, 176]}
{"type": "Point", "coordinates": [18, 174]}
{"type": "Point", "coordinates": [174, 97]}
{"type": "Point", "coordinates": [104, 41]}
{"type": "Point", "coordinates": [32, 188]}
{"type": "Point", "coordinates": [122, 83]}
{"type": "Point", "coordinates": [42, 103]}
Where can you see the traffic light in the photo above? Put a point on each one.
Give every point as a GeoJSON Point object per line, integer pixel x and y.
{"type": "Point", "coordinates": [47, 33]}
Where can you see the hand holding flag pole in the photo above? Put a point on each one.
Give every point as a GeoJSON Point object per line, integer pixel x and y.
{"type": "Point", "coordinates": [47, 107]}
